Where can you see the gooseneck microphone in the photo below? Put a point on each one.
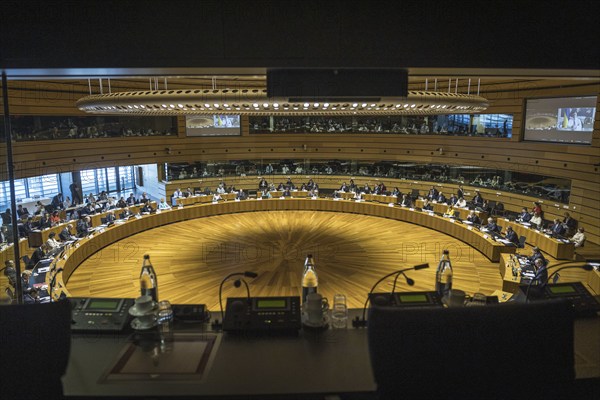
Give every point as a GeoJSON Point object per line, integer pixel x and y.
{"type": "Point", "coordinates": [238, 283]}
{"type": "Point", "coordinates": [357, 323]}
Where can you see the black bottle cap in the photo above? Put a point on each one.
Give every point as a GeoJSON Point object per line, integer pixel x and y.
{"type": "Point", "coordinates": [446, 252]}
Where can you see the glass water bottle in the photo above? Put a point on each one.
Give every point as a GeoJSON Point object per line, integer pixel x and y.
{"type": "Point", "coordinates": [443, 275]}
{"type": "Point", "coordinates": [309, 278]}
{"type": "Point", "coordinates": [148, 282]}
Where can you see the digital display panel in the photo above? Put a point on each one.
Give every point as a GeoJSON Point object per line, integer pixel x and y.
{"type": "Point", "coordinates": [413, 298]}
{"type": "Point", "coordinates": [212, 125]}
{"type": "Point", "coordinates": [271, 303]}
{"type": "Point", "coordinates": [561, 119]}
{"type": "Point", "coordinates": [103, 304]}
{"type": "Point", "coordinates": [562, 289]}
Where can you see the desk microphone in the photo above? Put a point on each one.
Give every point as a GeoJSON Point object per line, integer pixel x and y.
{"type": "Point", "coordinates": [237, 283]}
{"type": "Point", "coordinates": [380, 301]}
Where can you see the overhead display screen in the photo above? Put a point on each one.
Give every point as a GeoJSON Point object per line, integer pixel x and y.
{"type": "Point", "coordinates": [212, 125]}
{"type": "Point", "coordinates": [561, 119]}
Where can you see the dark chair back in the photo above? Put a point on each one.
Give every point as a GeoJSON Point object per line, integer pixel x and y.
{"type": "Point", "coordinates": [522, 240]}
{"type": "Point", "coordinates": [36, 340]}
{"type": "Point", "coordinates": [473, 352]}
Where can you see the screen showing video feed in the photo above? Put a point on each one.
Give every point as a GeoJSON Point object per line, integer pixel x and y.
{"type": "Point", "coordinates": [212, 125]}
{"type": "Point", "coordinates": [561, 119]}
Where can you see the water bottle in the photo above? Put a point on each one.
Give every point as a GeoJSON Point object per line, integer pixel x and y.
{"type": "Point", "coordinates": [309, 278]}
{"type": "Point", "coordinates": [443, 275]}
{"type": "Point", "coordinates": [148, 282]}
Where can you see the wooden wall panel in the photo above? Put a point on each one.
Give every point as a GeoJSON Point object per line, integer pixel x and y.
{"type": "Point", "coordinates": [579, 163]}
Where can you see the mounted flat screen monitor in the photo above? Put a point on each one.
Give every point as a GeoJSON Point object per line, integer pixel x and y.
{"type": "Point", "coordinates": [560, 119]}
{"type": "Point", "coordinates": [212, 125]}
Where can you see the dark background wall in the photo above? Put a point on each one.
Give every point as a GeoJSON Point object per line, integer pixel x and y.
{"type": "Point", "coordinates": [216, 33]}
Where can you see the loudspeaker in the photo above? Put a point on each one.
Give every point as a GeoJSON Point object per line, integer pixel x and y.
{"type": "Point", "coordinates": [190, 312]}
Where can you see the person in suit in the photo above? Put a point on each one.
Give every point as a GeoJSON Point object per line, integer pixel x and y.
{"type": "Point", "coordinates": [4, 236]}
{"type": "Point", "coordinates": [524, 216]}
{"type": "Point", "coordinates": [433, 193]}
{"type": "Point", "coordinates": [491, 226]}
{"type": "Point", "coordinates": [22, 212]}
{"type": "Point", "coordinates": [6, 217]}
{"type": "Point", "coordinates": [83, 226]}
{"type": "Point", "coordinates": [441, 198]}
{"type": "Point", "coordinates": [126, 213]}
{"type": "Point", "coordinates": [473, 218]}
{"type": "Point", "coordinates": [478, 199]}
{"type": "Point", "coordinates": [344, 188]}
{"type": "Point", "coordinates": [44, 222]}
{"type": "Point", "coordinates": [38, 255]}
{"type": "Point", "coordinates": [406, 201]}
{"type": "Point", "coordinates": [537, 253]}
{"type": "Point", "coordinates": [144, 199]}
{"type": "Point", "coordinates": [65, 235]}
{"type": "Point", "coordinates": [10, 272]}
{"type": "Point", "coordinates": [579, 238]}
{"type": "Point", "coordinates": [571, 224]}
{"type": "Point", "coordinates": [89, 209]}
{"type": "Point", "coordinates": [460, 193]}
{"type": "Point", "coordinates": [147, 208]}
{"type": "Point", "coordinates": [366, 189]}
{"type": "Point", "coordinates": [396, 192]}
{"type": "Point", "coordinates": [263, 184]}
{"type": "Point", "coordinates": [541, 271]}
{"type": "Point", "coordinates": [352, 186]}
{"type": "Point", "coordinates": [557, 228]}
{"type": "Point", "coordinates": [511, 236]}
{"type": "Point", "coordinates": [121, 203]}
{"type": "Point", "coordinates": [75, 195]}
{"type": "Point", "coordinates": [241, 195]}
{"type": "Point", "coordinates": [26, 227]}
{"type": "Point", "coordinates": [57, 201]}
{"type": "Point", "coordinates": [427, 205]}
{"type": "Point", "coordinates": [453, 200]}
{"type": "Point", "coordinates": [131, 200]}
{"type": "Point", "coordinates": [287, 192]}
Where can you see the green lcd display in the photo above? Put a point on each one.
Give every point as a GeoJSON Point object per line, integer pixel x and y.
{"type": "Point", "coordinates": [103, 304]}
{"type": "Point", "coordinates": [271, 303]}
{"type": "Point", "coordinates": [412, 298]}
{"type": "Point", "coordinates": [562, 289]}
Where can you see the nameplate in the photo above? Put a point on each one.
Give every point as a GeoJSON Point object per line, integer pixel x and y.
{"type": "Point", "coordinates": [101, 230]}
{"type": "Point", "coordinates": [158, 211]}
{"type": "Point", "coordinates": [390, 204]}
{"type": "Point", "coordinates": [485, 236]}
{"type": "Point", "coordinates": [411, 209]}
{"type": "Point", "coordinates": [180, 206]}
{"type": "Point", "coordinates": [336, 199]}
{"type": "Point", "coordinates": [451, 220]}
{"type": "Point", "coordinates": [259, 198]}
{"type": "Point", "coordinates": [76, 244]}
{"type": "Point", "coordinates": [313, 198]}
{"type": "Point", "coordinates": [138, 217]}
{"type": "Point", "coordinates": [282, 198]}
{"type": "Point", "coordinates": [548, 236]}
{"type": "Point", "coordinates": [469, 227]}
{"type": "Point", "coordinates": [507, 220]}
{"type": "Point", "coordinates": [237, 200]}
{"type": "Point", "coordinates": [215, 201]}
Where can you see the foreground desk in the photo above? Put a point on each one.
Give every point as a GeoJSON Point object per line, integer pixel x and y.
{"type": "Point", "coordinates": [90, 245]}
{"type": "Point", "coordinates": [331, 362]}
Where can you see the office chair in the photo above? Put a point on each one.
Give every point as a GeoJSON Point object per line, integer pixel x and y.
{"type": "Point", "coordinates": [504, 351]}
{"type": "Point", "coordinates": [26, 261]}
{"type": "Point", "coordinates": [103, 221]}
{"type": "Point", "coordinates": [522, 240]}
{"type": "Point", "coordinates": [35, 349]}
